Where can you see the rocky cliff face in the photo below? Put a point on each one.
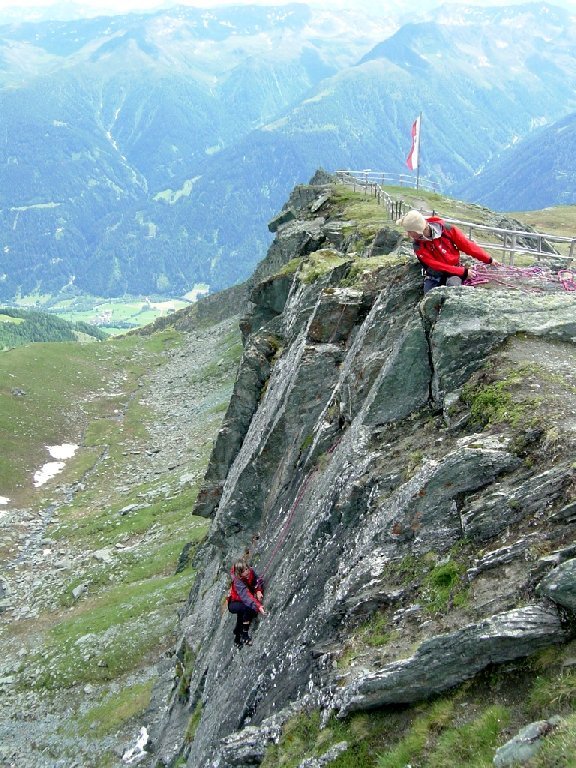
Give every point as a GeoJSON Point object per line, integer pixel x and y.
{"type": "Point", "coordinates": [383, 455]}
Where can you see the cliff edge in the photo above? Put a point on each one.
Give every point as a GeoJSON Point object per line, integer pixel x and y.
{"type": "Point", "coordinates": [390, 461]}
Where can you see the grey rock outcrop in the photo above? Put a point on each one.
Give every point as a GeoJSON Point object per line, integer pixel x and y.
{"type": "Point", "coordinates": [328, 757]}
{"type": "Point", "coordinates": [560, 585]}
{"type": "Point", "coordinates": [526, 743]}
{"type": "Point", "coordinates": [355, 467]}
{"type": "Point", "coordinates": [446, 660]}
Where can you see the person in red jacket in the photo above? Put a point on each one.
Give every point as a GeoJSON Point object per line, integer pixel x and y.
{"type": "Point", "coordinates": [245, 600]}
{"type": "Point", "coordinates": [437, 246]}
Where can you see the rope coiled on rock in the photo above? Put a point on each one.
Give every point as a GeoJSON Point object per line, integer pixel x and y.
{"type": "Point", "coordinates": [535, 279]}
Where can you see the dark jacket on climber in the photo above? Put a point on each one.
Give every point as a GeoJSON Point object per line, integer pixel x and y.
{"type": "Point", "coordinates": [245, 600]}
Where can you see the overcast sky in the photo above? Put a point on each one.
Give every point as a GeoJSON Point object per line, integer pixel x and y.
{"type": "Point", "coordinates": [374, 7]}
{"type": "Point", "coordinates": [128, 5]}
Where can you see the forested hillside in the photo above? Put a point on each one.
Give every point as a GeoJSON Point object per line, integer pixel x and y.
{"type": "Point", "coordinates": [19, 326]}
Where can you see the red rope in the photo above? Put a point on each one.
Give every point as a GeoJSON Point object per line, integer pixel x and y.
{"type": "Point", "coordinates": [284, 531]}
{"type": "Point", "coordinates": [292, 510]}
{"type": "Point", "coordinates": [285, 527]}
{"type": "Point", "coordinates": [331, 339]}
{"type": "Point", "coordinates": [568, 279]}
{"type": "Point", "coordinates": [529, 279]}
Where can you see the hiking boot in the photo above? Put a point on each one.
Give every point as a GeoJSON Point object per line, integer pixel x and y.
{"type": "Point", "coordinates": [238, 641]}
{"type": "Point", "coordinates": [246, 639]}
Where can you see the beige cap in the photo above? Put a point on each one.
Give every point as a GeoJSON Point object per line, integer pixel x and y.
{"type": "Point", "coordinates": [413, 221]}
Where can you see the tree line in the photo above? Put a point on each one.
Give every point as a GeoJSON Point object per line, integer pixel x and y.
{"type": "Point", "coordinates": [18, 327]}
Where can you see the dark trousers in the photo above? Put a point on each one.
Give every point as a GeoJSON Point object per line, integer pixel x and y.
{"type": "Point", "coordinates": [433, 279]}
{"type": "Point", "coordinates": [244, 616]}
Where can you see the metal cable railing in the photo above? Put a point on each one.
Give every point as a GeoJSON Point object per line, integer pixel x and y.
{"type": "Point", "coordinates": [369, 178]}
{"type": "Point", "coordinates": [509, 242]}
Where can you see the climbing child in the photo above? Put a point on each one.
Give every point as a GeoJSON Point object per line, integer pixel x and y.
{"type": "Point", "coordinates": [245, 600]}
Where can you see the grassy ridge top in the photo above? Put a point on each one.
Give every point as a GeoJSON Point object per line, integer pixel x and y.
{"type": "Point", "coordinates": [361, 205]}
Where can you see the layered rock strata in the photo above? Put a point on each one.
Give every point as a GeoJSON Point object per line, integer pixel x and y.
{"type": "Point", "coordinates": [377, 442]}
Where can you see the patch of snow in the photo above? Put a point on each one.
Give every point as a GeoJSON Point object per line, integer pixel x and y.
{"type": "Point", "coordinates": [47, 472]}
{"type": "Point", "coordinates": [136, 753]}
{"type": "Point", "coordinates": [60, 452]}
{"type": "Point", "coordinates": [52, 468]}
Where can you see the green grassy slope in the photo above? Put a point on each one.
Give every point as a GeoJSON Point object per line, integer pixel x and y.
{"type": "Point", "coordinates": [116, 521]}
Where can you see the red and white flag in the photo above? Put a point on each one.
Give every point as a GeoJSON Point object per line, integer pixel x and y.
{"type": "Point", "coordinates": [412, 159]}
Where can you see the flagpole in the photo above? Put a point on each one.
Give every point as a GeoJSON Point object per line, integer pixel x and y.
{"type": "Point", "coordinates": [418, 152]}
{"type": "Point", "coordinates": [413, 159]}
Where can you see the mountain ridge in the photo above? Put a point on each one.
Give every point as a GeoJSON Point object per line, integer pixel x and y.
{"type": "Point", "coordinates": [97, 144]}
{"type": "Point", "coordinates": [360, 483]}
{"type": "Point", "coordinates": [539, 168]}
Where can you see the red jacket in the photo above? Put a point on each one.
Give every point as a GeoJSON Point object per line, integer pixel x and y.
{"type": "Point", "coordinates": [243, 590]}
{"type": "Point", "coordinates": [442, 253]}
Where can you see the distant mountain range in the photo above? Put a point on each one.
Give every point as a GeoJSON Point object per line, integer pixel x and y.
{"type": "Point", "coordinates": [537, 172]}
{"type": "Point", "coordinates": [145, 153]}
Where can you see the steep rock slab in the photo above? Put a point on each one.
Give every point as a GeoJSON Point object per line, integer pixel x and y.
{"type": "Point", "coordinates": [419, 516]}
{"type": "Point", "coordinates": [446, 660]}
{"type": "Point", "coordinates": [387, 369]}
{"type": "Point", "coordinates": [305, 542]}
{"type": "Point", "coordinates": [335, 315]}
{"type": "Point", "coordinates": [252, 375]}
{"type": "Point", "coordinates": [268, 298]}
{"type": "Point", "coordinates": [402, 384]}
{"type": "Point", "coordinates": [294, 238]}
{"type": "Point", "coordinates": [278, 434]}
{"type": "Point", "coordinates": [321, 489]}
